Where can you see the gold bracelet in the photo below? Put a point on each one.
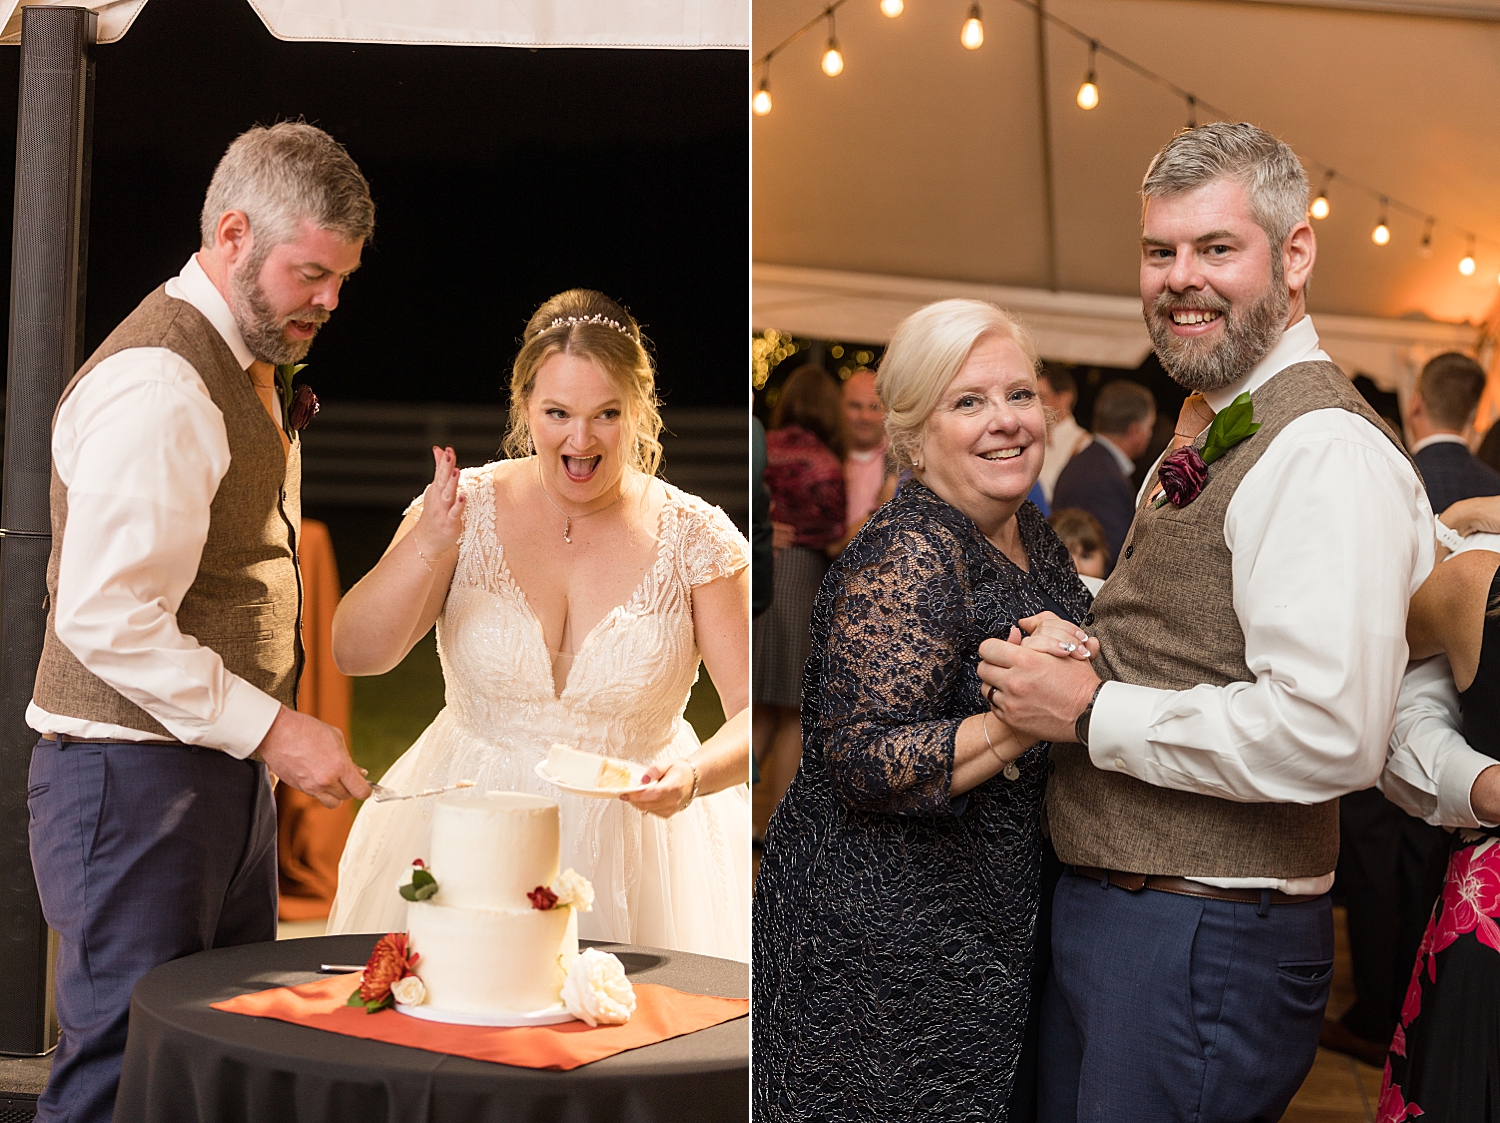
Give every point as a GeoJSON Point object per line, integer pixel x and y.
{"type": "Point", "coordinates": [694, 793]}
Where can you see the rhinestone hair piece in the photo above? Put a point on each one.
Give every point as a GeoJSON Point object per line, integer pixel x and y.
{"type": "Point", "coordinates": [596, 318]}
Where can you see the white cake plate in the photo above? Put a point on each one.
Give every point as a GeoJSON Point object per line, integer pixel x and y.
{"type": "Point", "coordinates": [552, 1015]}
{"type": "Point", "coordinates": [592, 793]}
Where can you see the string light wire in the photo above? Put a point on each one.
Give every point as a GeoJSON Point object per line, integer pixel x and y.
{"type": "Point", "coordinates": [1193, 103]}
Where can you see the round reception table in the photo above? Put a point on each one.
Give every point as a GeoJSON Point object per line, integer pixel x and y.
{"type": "Point", "coordinates": [186, 1063]}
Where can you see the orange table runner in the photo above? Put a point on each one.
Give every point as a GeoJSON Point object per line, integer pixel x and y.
{"type": "Point", "coordinates": [660, 1013]}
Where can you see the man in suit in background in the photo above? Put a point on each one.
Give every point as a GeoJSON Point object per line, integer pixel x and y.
{"type": "Point", "coordinates": [1097, 479]}
{"type": "Point", "coordinates": [1439, 422]}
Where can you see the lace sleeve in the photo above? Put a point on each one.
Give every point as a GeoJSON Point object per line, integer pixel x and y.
{"type": "Point", "coordinates": [895, 672]}
{"type": "Point", "coordinates": [713, 548]}
{"type": "Point", "coordinates": [415, 506]}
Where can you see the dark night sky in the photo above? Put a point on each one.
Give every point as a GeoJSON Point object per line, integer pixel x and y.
{"type": "Point", "coordinates": [500, 176]}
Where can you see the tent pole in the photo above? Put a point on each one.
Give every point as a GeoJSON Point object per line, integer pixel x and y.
{"type": "Point", "coordinates": [48, 263]}
{"type": "Point", "coordinates": [1045, 100]}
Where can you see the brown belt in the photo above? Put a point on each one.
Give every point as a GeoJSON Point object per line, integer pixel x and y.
{"type": "Point", "coordinates": [1186, 887]}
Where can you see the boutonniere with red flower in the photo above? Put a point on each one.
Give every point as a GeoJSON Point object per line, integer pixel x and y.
{"type": "Point", "coordinates": [1184, 471]}
{"type": "Point", "coordinates": [299, 405]}
{"type": "Point", "coordinates": [390, 962]}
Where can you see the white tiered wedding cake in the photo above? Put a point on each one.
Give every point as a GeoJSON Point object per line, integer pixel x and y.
{"type": "Point", "coordinates": [492, 928]}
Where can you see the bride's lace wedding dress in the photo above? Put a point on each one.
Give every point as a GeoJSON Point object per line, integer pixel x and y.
{"type": "Point", "coordinates": [682, 882]}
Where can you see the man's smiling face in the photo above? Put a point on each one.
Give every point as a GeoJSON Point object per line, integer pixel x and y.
{"type": "Point", "coordinates": [1213, 290]}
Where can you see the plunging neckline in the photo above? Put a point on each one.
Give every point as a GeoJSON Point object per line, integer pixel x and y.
{"type": "Point", "coordinates": [508, 578]}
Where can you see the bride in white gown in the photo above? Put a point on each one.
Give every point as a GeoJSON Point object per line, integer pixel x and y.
{"type": "Point", "coordinates": [573, 594]}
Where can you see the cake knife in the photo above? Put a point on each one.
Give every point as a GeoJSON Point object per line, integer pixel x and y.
{"type": "Point", "coordinates": [384, 794]}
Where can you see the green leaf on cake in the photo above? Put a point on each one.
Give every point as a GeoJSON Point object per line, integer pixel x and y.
{"type": "Point", "coordinates": [421, 886]}
{"type": "Point", "coordinates": [1232, 425]}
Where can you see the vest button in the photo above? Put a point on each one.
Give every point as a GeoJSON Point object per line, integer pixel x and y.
{"type": "Point", "coordinates": [1130, 549]}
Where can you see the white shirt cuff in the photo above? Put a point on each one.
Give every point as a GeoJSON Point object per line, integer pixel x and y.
{"type": "Point", "coordinates": [1118, 725]}
{"type": "Point", "coordinates": [248, 714]}
{"type": "Point", "coordinates": [1455, 782]}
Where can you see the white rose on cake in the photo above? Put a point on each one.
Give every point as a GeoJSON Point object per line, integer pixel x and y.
{"type": "Point", "coordinates": [409, 991]}
{"type": "Point", "coordinates": [574, 891]}
{"type": "Point", "coordinates": [596, 990]}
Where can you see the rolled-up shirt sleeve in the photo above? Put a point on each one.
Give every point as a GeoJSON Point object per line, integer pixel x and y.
{"type": "Point", "coordinates": [1431, 769]}
{"type": "Point", "coordinates": [141, 448]}
{"type": "Point", "coordinates": [1329, 536]}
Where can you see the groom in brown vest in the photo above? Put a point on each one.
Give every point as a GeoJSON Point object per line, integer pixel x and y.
{"type": "Point", "coordinates": [1250, 647]}
{"type": "Point", "coordinates": [166, 685]}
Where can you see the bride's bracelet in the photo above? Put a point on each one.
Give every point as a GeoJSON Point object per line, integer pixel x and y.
{"type": "Point", "coordinates": [694, 793]}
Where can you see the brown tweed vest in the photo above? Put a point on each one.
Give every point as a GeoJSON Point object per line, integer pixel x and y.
{"type": "Point", "coordinates": [1165, 619]}
{"type": "Point", "coordinates": [246, 601]}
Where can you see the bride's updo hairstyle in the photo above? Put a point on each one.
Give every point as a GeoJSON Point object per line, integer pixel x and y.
{"type": "Point", "coordinates": [924, 354]}
{"type": "Point", "coordinates": [589, 324]}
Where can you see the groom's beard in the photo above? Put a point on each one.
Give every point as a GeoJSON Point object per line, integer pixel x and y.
{"type": "Point", "coordinates": [264, 332]}
{"type": "Point", "coordinates": [1248, 336]}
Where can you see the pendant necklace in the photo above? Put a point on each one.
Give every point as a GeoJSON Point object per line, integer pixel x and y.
{"type": "Point", "coordinates": [567, 518]}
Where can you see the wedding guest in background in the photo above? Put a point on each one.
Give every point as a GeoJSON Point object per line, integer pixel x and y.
{"type": "Point", "coordinates": [896, 907]}
{"type": "Point", "coordinates": [1444, 1061]}
{"type": "Point", "coordinates": [805, 475]}
{"type": "Point", "coordinates": [1065, 437]}
{"type": "Point", "coordinates": [1439, 423]}
{"type": "Point", "coordinates": [868, 480]}
{"type": "Point", "coordinates": [1251, 654]}
{"type": "Point", "coordinates": [174, 604]}
{"type": "Point", "coordinates": [1097, 479]}
{"type": "Point", "coordinates": [1084, 537]}
{"type": "Point", "coordinates": [760, 522]}
{"type": "Point", "coordinates": [1390, 863]}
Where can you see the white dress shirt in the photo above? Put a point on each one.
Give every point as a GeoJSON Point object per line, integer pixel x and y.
{"type": "Point", "coordinates": [1329, 536]}
{"type": "Point", "coordinates": [1431, 768]}
{"type": "Point", "coordinates": [1438, 439]}
{"type": "Point", "coordinates": [141, 448]}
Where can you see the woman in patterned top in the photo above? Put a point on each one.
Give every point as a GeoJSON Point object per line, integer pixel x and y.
{"type": "Point", "coordinates": [896, 909]}
{"type": "Point", "coordinates": [805, 475]}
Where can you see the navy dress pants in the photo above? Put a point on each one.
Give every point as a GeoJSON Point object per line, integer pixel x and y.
{"type": "Point", "coordinates": [1164, 1008]}
{"type": "Point", "coordinates": [143, 853]}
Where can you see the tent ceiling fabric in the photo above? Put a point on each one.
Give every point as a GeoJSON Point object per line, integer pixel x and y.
{"type": "Point", "coordinates": [476, 23]}
{"type": "Point", "coordinates": [924, 159]}
{"type": "Point", "coordinates": [1068, 327]}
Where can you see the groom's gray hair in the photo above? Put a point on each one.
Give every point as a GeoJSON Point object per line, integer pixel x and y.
{"type": "Point", "coordinates": [285, 174]}
{"type": "Point", "coordinates": [1267, 168]}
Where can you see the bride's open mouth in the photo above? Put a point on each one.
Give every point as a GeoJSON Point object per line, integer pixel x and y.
{"type": "Point", "coordinates": [580, 469]}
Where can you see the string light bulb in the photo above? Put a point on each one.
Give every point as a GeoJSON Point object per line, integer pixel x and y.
{"type": "Point", "coordinates": [761, 102]}
{"type": "Point", "coordinates": [1381, 235]}
{"type": "Point", "coordinates": [1467, 266]}
{"type": "Point", "coordinates": [1192, 104]}
{"type": "Point", "coordinates": [1088, 93]}
{"type": "Point", "coordinates": [892, 8]}
{"type": "Point", "coordinates": [972, 36]}
{"type": "Point", "coordinates": [1320, 207]}
{"type": "Point", "coordinates": [1426, 250]}
{"type": "Point", "coordinates": [833, 62]}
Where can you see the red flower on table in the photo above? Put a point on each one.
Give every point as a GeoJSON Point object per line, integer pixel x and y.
{"type": "Point", "coordinates": [1471, 897]}
{"type": "Point", "coordinates": [542, 898]}
{"type": "Point", "coordinates": [389, 962]}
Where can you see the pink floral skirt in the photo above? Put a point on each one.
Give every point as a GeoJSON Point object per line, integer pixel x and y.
{"type": "Point", "coordinates": [1444, 1063]}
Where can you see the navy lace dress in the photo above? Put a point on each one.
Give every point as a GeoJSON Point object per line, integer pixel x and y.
{"type": "Point", "coordinates": [894, 926]}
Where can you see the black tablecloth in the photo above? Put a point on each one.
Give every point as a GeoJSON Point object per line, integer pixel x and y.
{"type": "Point", "coordinates": [185, 1063]}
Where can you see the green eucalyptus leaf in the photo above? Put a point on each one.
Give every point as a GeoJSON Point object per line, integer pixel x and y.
{"type": "Point", "coordinates": [409, 892]}
{"type": "Point", "coordinates": [355, 999]}
{"type": "Point", "coordinates": [425, 891]}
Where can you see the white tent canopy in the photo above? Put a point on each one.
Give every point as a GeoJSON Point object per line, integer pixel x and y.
{"type": "Point", "coordinates": [924, 168]}
{"type": "Point", "coordinates": [477, 23]}
{"type": "Point", "coordinates": [1068, 327]}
